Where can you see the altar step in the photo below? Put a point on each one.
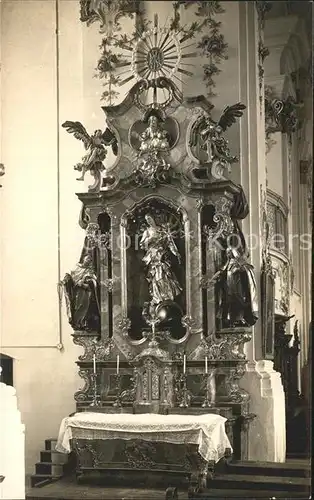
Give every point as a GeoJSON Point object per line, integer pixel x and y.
{"type": "Point", "coordinates": [240, 480]}
{"type": "Point", "coordinates": [289, 468]}
{"type": "Point", "coordinates": [52, 466]}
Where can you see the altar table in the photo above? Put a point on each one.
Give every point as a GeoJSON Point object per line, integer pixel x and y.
{"type": "Point", "coordinates": [206, 431]}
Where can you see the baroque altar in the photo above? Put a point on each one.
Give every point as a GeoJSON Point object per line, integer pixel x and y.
{"type": "Point", "coordinates": [163, 298]}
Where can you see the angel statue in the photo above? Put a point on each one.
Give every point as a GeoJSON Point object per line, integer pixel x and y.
{"type": "Point", "coordinates": [157, 241]}
{"type": "Point", "coordinates": [96, 146]}
{"type": "Point", "coordinates": [207, 134]}
{"type": "Point", "coordinates": [81, 295]}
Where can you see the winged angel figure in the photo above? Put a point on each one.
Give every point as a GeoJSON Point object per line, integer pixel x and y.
{"type": "Point", "coordinates": [96, 144]}
{"type": "Point", "coordinates": [207, 134]}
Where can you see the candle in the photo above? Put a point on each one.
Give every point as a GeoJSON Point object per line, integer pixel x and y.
{"type": "Point", "coordinates": [118, 360]}
{"type": "Point", "coordinates": [184, 363]}
{"type": "Point", "coordinates": [94, 363]}
{"type": "Point", "coordinates": [206, 365]}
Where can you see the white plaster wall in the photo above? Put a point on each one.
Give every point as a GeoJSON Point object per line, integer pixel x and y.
{"type": "Point", "coordinates": [44, 377]}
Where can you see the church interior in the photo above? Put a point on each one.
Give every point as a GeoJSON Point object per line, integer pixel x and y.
{"type": "Point", "coordinates": [156, 271]}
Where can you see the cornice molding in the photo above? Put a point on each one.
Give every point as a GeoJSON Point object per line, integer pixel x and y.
{"type": "Point", "coordinates": [278, 30]}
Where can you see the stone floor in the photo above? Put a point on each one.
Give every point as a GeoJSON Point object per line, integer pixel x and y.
{"type": "Point", "coordinates": [68, 489]}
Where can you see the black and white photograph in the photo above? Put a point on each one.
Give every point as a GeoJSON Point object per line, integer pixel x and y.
{"type": "Point", "coordinates": [156, 217]}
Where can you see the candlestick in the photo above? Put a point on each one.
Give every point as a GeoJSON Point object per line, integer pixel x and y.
{"type": "Point", "coordinates": [206, 364]}
{"type": "Point", "coordinates": [94, 364]}
{"type": "Point", "coordinates": [118, 401]}
{"type": "Point", "coordinates": [118, 361]}
{"type": "Point", "coordinates": [184, 363]}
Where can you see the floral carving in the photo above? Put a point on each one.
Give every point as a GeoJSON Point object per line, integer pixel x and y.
{"type": "Point", "coordinates": [226, 346]}
{"type": "Point", "coordinates": [120, 51]}
{"type": "Point", "coordinates": [92, 345]}
{"type": "Point", "coordinates": [306, 178]}
{"type": "Point", "coordinates": [107, 12]}
{"type": "Point", "coordinates": [213, 45]}
{"type": "Point", "coordinates": [222, 219]}
{"type": "Point", "coordinates": [125, 325]}
{"type": "Point", "coordinates": [262, 8]}
{"type": "Point", "coordinates": [139, 454]}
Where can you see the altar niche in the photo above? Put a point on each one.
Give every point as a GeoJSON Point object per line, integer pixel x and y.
{"type": "Point", "coordinates": [155, 257]}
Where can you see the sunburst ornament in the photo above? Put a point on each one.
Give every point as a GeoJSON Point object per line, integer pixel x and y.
{"type": "Point", "coordinates": [152, 53]}
{"type": "Point", "coordinates": [155, 53]}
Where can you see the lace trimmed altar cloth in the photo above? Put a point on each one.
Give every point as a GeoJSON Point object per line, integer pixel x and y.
{"type": "Point", "coordinates": [206, 431]}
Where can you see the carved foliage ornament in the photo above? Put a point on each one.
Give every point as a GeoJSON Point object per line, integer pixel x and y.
{"type": "Point", "coordinates": [262, 8]}
{"type": "Point", "coordinates": [222, 219]}
{"type": "Point", "coordinates": [226, 347]}
{"type": "Point", "coordinates": [306, 178]}
{"type": "Point", "coordinates": [107, 12]}
{"type": "Point", "coordinates": [281, 115]}
{"type": "Point", "coordinates": [92, 345]}
{"type": "Point", "coordinates": [145, 52]}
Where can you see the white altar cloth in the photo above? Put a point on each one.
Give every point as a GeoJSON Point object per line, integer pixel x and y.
{"type": "Point", "coordinates": [206, 431]}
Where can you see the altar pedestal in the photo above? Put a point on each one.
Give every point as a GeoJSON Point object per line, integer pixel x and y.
{"type": "Point", "coordinates": [178, 446]}
{"type": "Point", "coordinates": [12, 451]}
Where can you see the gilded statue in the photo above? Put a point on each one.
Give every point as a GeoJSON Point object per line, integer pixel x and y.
{"type": "Point", "coordinates": [157, 241]}
{"type": "Point", "coordinates": [236, 291]}
{"type": "Point", "coordinates": [96, 146]}
{"type": "Point", "coordinates": [207, 134]}
{"type": "Point", "coordinates": [81, 295]}
{"type": "Point", "coordinates": [154, 138]}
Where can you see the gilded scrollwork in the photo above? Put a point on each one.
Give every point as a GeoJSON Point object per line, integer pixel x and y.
{"type": "Point", "coordinates": [92, 345]}
{"type": "Point", "coordinates": [139, 454]}
{"type": "Point", "coordinates": [222, 218]}
{"type": "Point", "coordinates": [82, 394]}
{"type": "Point", "coordinates": [87, 453]}
{"type": "Point", "coordinates": [226, 346]}
{"type": "Point", "coordinates": [234, 392]}
{"type": "Point", "coordinates": [281, 115]}
{"type": "Point", "coordinates": [124, 326]}
{"type": "Point", "coordinates": [106, 12]}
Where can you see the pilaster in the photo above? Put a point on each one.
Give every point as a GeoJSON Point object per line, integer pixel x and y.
{"type": "Point", "coordinates": [267, 431]}
{"type": "Point", "coordinates": [252, 146]}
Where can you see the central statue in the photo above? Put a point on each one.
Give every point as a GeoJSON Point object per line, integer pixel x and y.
{"type": "Point", "coordinates": [157, 241]}
{"type": "Point", "coordinates": [154, 138]}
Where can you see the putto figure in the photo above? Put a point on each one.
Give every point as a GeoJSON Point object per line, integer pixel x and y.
{"type": "Point", "coordinates": [157, 241]}
{"type": "Point", "coordinates": [96, 144]}
{"type": "Point", "coordinates": [81, 295]}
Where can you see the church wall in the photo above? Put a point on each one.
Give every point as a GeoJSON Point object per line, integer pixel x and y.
{"type": "Point", "coordinates": [39, 210]}
{"type": "Point", "coordinates": [48, 61]}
